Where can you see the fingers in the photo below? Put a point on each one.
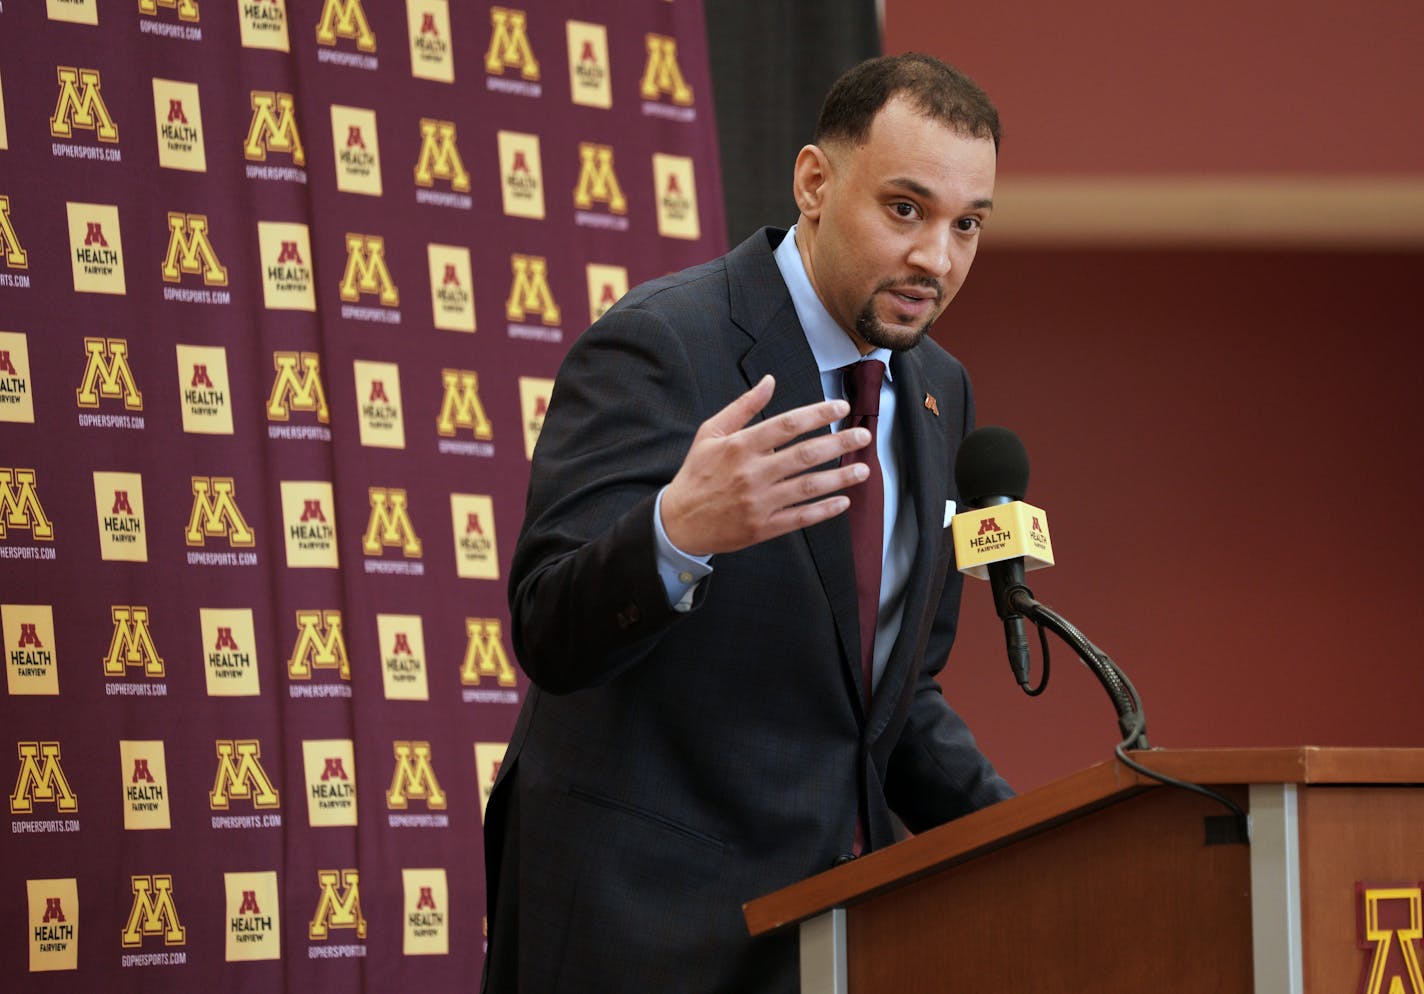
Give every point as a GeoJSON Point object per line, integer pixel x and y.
{"type": "Point", "coordinates": [735, 415]}
{"type": "Point", "coordinates": [775, 432]}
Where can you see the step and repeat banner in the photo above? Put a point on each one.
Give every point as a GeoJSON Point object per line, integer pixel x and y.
{"type": "Point", "coordinates": [283, 288]}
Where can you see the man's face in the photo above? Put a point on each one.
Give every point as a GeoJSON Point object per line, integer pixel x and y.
{"type": "Point", "coordinates": [889, 229]}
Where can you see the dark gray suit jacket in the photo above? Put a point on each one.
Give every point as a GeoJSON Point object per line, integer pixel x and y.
{"type": "Point", "coordinates": [668, 767]}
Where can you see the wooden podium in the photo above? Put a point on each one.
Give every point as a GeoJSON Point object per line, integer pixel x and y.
{"type": "Point", "coordinates": [1104, 882]}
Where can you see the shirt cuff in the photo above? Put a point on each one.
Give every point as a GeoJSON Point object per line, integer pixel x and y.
{"type": "Point", "coordinates": [680, 572]}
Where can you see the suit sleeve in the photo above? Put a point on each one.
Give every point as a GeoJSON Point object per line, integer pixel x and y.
{"type": "Point", "coordinates": [585, 597]}
{"type": "Point", "coordinates": [937, 772]}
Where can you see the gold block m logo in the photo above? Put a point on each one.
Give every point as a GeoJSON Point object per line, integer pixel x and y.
{"type": "Point", "coordinates": [41, 780]}
{"type": "Point", "coordinates": [509, 44]}
{"type": "Point", "coordinates": [153, 912]}
{"type": "Point", "coordinates": [273, 128]}
{"type": "Point", "coordinates": [389, 525]}
{"type": "Point", "coordinates": [191, 251]}
{"type": "Point", "coordinates": [340, 904]}
{"type": "Point", "coordinates": [662, 75]}
{"type": "Point", "coordinates": [414, 778]}
{"type": "Point", "coordinates": [439, 158]}
{"type": "Point", "coordinates": [597, 183]}
{"type": "Point", "coordinates": [10, 248]}
{"type": "Point", "coordinates": [484, 654]}
{"type": "Point", "coordinates": [530, 290]}
{"type": "Point", "coordinates": [215, 513]}
{"type": "Point", "coordinates": [319, 644]}
{"type": "Point", "coordinates": [345, 19]}
{"type": "Point", "coordinates": [461, 407]}
{"type": "Point", "coordinates": [366, 270]}
{"type": "Point", "coordinates": [80, 105]}
{"type": "Point", "coordinates": [20, 505]}
{"type": "Point", "coordinates": [132, 643]}
{"type": "Point", "coordinates": [107, 374]}
{"type": "Point", "coordinates": [187, 9]}
{"type": "Point", "coordinates": [240, 775]}
{"type": "Point", "coordinates": [297, 391]}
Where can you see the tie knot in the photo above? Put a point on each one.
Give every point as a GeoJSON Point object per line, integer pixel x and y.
{"type": "Point", "coordinates": [862, 387]}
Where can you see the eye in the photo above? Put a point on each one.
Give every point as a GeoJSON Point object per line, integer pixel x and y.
{"type": "Point", "coordinates": [969, 224]}
{"type": "Point", "coordinates": [905, 209]}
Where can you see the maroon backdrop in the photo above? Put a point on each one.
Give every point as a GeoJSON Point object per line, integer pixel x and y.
{"type": "Point", "coordinates": [281, 288]}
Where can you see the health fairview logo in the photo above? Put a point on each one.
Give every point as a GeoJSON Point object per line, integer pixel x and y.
{"type": "Point", "coordinates": [143, 771]}
{"type": "Point", "coordinates": [414, 780]}
{"type": "Point", "coordinates": [241, 776]}
{"type": "Point", "coordinates": [41, 780]}
{"type": "Point", "coordinates": [522, 174]}
{"type": "Point", "coordinates": [509, 50]}
{"type": "Point", "coordinates": [606, 286]}
{"type": "Point", "coordinates": [339, 906]}
{"type": "Point", "coordinates": [676, 192]}
{"type": "Point", "coordinates": [190, 251]}
{"type": "Point", "coordinates": [81, 106]}
{"type": "Point", "coordinates": [118, 502]}
{"type": "Point", "coordinates": [131, 646]}
{"type": "Point", "coordinates": [203, 389]}
{"type": "Point", "coordinates": [401, 644]}
{"type": "Point", "coordinates": [389, 525]}
{"type": "Point", "coordinates": [378, 404]}
{"type": "Point", "coordinates": [73, 11]}
{"type": "Point", "coordinates": [229, 650]}
{"type": "Point", "coordinates": [12, 253]}
{"type": "Point", "coordinates": [589, 70]}
{"type": "Point", "coordinates": [476, 555]}
{"type": "Point", "coordinates": [426, 906]}
{"type": "Point", "coordinates": [153, 913]}
{"type": "Point", "coordinates": [4, 137]}
{"type": "Point", "coordinates": [320, 645]}
{"type": "Point", "coordinates": [108, 375]}
{"type": "Point", "coordinates": [254, 919]}
{"type": "Point", "coordinates": [598, 184]}
{"type": "Point", "coordinates": [330, 767]}
{"type": "Point", "coordinates": [485, 673]}
{"type": "Point", "coordinates": [309, 524]}
{"type": "Point", "coordinates": [264, 24]}
{"type": "Point", "coordinates": [432, 55]}
{"type": "Point", "coordinates": [663, 79]}
{"type": "Point", "coordinates": [357, 150]}
{"type": "Point", "coordinates": [216, 514]}
{"type": "Point", "coordinates": [452, 297]}
{"type": "Point", "coordinates": [439, 159]}
{"type": "Point", "coordinates": [178, 117]}
{"type": "Point", "coordinates": [534, 393]}
{"type": "Point", "coordinates": [488, 758]}
{"type": "Point", "coordinates": [287, 279]}
{"type": "Point", "coordinates": [31, 663]}
{"type": "Point", "coordinates": [53, 924]}
{"type": "Point", "coordinates": [16, 399]}
{"type": "Point", "coordinates": [1390, 921]}
{"type": "Point", "coordinates": [96, 248]}
{"type": "Point", "coordinates": [20, 506]}
{"type": "Point", "coordinates": [529, 293]}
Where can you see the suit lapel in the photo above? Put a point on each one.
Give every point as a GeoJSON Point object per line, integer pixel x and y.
{"type": "Point", "coordinates": [761, 307]}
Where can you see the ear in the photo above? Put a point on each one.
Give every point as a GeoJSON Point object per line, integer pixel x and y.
{"type": "Point", "coordinates": [810, 180]}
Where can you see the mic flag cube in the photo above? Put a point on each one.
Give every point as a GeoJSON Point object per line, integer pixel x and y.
{"type": "Point", "coordinates": [999, 532]}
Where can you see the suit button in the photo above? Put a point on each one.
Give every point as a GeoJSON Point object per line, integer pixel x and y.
{"type": "Point", "coordinates": [843, 858]}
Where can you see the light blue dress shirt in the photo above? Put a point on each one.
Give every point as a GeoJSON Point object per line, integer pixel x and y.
{"type": "Point", "coordinates": [833, 349]}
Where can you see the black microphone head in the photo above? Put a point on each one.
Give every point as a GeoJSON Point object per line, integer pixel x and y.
{"type": "Point", "coordinates": [991, 463]}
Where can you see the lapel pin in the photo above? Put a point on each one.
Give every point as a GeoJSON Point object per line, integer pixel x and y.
{"type": "Point", "coordinates": [931, 404]}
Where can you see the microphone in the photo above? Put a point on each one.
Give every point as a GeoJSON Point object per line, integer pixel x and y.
{"type": "Point", "coordinates": [1000, 532]}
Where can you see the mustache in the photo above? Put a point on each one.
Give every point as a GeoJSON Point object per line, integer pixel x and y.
{"type": "Point", "coordinates": [918, 280]}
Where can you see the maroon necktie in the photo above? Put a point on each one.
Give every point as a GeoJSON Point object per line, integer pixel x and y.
{"type": "Point", "coordinates": [867, 505]}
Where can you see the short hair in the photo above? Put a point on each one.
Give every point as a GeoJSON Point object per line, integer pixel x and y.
{"type": "Point", "coordinates": [937, 89]}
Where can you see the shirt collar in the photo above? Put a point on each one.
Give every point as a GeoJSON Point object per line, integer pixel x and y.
{"type": "Point", "coordinates": [829, 342]}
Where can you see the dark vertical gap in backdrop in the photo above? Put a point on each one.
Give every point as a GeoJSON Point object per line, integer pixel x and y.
{"type": "Point", "coordinates": [772, 62]}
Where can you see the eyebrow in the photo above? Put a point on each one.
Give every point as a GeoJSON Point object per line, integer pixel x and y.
{"type": "Point", "coordinates": [920, 190]}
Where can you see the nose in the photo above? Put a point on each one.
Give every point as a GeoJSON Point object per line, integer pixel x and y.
{"type": "Point", "coordinates": [930, 254]}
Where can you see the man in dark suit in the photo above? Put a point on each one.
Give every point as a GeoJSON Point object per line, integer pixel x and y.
{"type": "Point", "coordinates": [685, 595]}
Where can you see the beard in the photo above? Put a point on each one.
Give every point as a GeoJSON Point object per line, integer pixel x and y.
{"type": "Point", "coordinates": [876, 333]}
